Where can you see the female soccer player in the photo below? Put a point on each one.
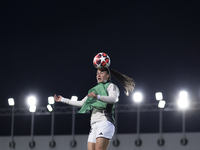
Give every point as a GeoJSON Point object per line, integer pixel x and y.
{"type": "Point", "coordinates": [101, 100]}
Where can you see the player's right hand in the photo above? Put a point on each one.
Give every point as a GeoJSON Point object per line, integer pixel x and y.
{"type": "Point", "coordinates": [57, 98]}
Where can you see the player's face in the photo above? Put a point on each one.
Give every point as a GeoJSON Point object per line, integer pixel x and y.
{"type": "Point", "coordinates": [102, 76]}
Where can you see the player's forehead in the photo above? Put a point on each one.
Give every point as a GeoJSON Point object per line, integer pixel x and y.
{"type": "Point", "coordinates": [100, 71]}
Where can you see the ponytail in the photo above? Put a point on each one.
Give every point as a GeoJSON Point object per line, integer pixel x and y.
{"type": "Point", "coordinates": [126, 81]}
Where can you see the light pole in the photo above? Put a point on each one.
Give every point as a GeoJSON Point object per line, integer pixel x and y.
{"type": "Point", "coordinates": [50, 108]}
{"type": "Point", "coordinates": [183, 103]}
{"type": "Point", "coordinates": [161, 105]}
{"type": "Point", "coordinates": [31, 100]}
{"type": "Point", "coordinates": [137, 97]}
{"type": "Point", "coordinates": [11, 102]}
{"type": "Point", "coordinates": [73, 142]}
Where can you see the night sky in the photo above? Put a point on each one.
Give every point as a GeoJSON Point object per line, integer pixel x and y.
{"type": "Point", "coordinates": [47, 48]}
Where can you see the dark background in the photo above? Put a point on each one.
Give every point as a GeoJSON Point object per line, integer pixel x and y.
{"type": "Point", "coordinates": [47, 47]}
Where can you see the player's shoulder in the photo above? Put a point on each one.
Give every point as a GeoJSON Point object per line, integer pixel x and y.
{"type": "Point", "coordinates": [113, 86]}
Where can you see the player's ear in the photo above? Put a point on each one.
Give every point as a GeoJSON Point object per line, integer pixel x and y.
{"type": "Point", "coordinates": [108, 76]}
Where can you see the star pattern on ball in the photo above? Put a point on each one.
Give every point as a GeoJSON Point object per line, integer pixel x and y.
{"type": "Point", "coordinates": [102, 59]}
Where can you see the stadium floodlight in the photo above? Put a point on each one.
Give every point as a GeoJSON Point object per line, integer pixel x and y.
{"type": "Point", "coordinates": [183, 95]}
{"type": "Point", "coordinates": [159, 96]}
{"type": "Point", "coordinates": [49, 108]}
{"type": "Point", "coordinates": [161, 104]}
{"type": "Point", "coordinates": [74, 98]}
{"type": "Point", "coordinates": [51, 100]}
{"type": "Point", "coordinates": [31, 100]}
{"type": "Point", "coordinates": [32, 108]}
{"type": "Point", "coordinates": [11, 102]}
{"type": "Point", "coordinates": [137, 97]}
{"type": "Point", "coordinates": [183, 100]}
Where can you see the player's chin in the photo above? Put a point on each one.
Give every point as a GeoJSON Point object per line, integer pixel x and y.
{"type": "Point", "coordinates": [99, 81]}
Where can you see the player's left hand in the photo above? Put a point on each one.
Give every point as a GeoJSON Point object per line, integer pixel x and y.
{"type": "Point", "coordinates": [92, 95]}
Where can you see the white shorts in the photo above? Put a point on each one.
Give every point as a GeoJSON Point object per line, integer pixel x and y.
{"type": "Point", "coordinates": [101, 129]}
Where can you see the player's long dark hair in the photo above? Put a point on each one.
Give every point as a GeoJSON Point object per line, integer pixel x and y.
{"type": "Point", "coordinates": [126, 81]}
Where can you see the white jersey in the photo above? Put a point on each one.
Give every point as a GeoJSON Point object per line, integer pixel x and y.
{"type": "Point", "coordinates": [99, 115]}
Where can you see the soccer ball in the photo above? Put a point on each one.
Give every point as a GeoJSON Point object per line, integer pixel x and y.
{"type": "Point", "coordinates": [101, 60]}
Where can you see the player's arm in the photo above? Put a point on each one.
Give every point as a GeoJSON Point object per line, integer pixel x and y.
{"type": "Point", "coordinates": [78, 103]}
{"type": "Point", "coordinates": [113, 93]}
